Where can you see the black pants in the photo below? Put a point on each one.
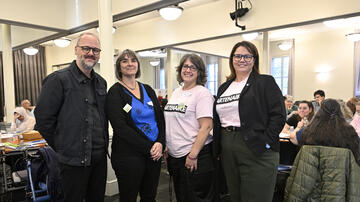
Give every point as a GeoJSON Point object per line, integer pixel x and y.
{"type": "Point", "coordinates": [136, 174]}
{"type": "Point", "coordinates": [85, 183]}
{"type": "Point", "coordinates": [194, 186]}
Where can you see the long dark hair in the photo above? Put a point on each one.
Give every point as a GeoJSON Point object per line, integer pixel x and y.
{"type": "Point", "coordinates": [329, 128]}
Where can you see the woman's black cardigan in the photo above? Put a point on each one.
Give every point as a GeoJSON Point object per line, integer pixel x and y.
{"type": "Point", "coordinates": [127, 139]}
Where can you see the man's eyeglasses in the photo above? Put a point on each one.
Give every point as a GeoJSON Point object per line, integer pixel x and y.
{"type": "Point", "coordinates": [246, 57]}
{"type": "Point", "coordinates": [86, 50]}
{"type": "Point", "coordinates": [191, 67]}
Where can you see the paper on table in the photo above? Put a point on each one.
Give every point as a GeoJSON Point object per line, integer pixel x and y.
{"type": "Point", "coordinates": [4, 136]}
{"type": "Point", "coordinates": [284, 135]}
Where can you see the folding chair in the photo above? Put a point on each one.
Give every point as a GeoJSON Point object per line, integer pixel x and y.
{"type": "Point", "coordinates": [37, 192]}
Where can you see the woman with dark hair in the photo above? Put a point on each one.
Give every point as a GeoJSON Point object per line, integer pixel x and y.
{"type": "Point", "coordinates": [188, 117]}
{"type": "Point", "coordinates": [139, 131]}
{"type": "Point", "coordinates": [329, 128]}
{"type": "Point", "coordinates": [249, 114]}
{"type": "Point", "coordinates": [305, 113]}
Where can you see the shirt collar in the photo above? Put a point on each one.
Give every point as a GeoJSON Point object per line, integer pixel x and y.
{"type": "Point", "coordinates": [79, 75]}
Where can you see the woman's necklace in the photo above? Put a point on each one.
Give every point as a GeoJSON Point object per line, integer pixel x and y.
{"type": "Point", "coordinates": [129, 86]}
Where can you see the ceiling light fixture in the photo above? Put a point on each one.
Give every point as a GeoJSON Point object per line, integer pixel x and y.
{"type": "Point", "coordinates": [171, 12]}
{"type": "Point", "coordinates": [155, 62]}
{"type": "Point", "coordinates": [353, 36]}
{"type": "Point", "coordinates": [62, 42]}
{"type": "Point", "coordinates": [113, 29]}
{"type": "Point", "coordinates": [250, 36]}
{"type": "Point", "coordinates": [30, 51]}
{"type": "Point", "coordinates": [338, 23]}
{"type": "Point", "coordinates": [153, 53]}
{"type": "Point", "coordinates": [286, 45]}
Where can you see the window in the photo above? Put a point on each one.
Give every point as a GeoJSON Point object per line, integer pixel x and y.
{"type": "Point", "coordinates": [357, 68]}
{"type": "Point", "coordinates": [212, 78]}
{"type": "Point", "coordinates": [159, 75]}
{"type": "Point", "coordinates": [282, 61]}
{"type": "Point", "coordinates": [280, 72]}
{"type": "Point", "coordinates": [212, 67]}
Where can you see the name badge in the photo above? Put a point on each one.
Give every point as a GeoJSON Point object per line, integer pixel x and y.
{"type": "Point", "coordinates": [127, 108]}
{"type": "Point", "coordinates": [150, 103]}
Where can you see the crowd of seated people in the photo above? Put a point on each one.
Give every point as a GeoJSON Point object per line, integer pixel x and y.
{"type": "Point", "coordinates": [321, 172]}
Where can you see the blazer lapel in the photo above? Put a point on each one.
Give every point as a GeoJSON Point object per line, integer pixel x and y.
{"type": "Point", "coordinates": [249, 83]}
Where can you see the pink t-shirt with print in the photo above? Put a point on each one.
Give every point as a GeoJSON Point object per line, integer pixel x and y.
{"type": "Point", "coordinates": [182, 112]}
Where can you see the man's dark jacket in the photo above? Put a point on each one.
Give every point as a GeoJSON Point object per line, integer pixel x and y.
{"type": "Point", "coordinates": [61, 114]}
{"type": "Point", "coordinates": [262, 114]}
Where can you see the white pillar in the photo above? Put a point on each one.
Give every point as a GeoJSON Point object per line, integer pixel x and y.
{"type": "Point", "coordinates": [107, 68]}
{"type": "Point", "coordinates": [8, 68]}
{"type": "Point", "coordinates": [265, 59]}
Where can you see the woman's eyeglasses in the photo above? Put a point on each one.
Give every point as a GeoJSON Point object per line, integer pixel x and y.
{"type": "Point", "coordinates": [246, 57]}
{"type": "Point", "coordinates": [191, 67]}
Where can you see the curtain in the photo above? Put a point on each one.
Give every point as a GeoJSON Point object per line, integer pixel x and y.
{"type": "Point", "coordinates": [29, 71]}
{"type": "Point", "coordinates": [2, 99]}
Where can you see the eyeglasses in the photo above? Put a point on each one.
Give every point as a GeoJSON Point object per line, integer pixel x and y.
{"type": "Point", "coordinates": [128, 60]}
{"type": "Point", "coordinates": [193, 68]}
{"type": "Point", "coordinates": [86, 50]}
{"type": "Point", "coordinates": [246, 57]}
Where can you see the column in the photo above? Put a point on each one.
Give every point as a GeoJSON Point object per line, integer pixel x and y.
{"type": "Point", "coordinates": [9, 90]}
{"type": "Point", "coordinates": [265, 59]}
{"type": "Point", "coordinates": [107, 69]}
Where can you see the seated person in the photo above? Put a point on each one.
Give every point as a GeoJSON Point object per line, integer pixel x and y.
{"type": "Point", "coordinates": [319, 96]}
{"type": "Point", "coordinates": [348, 115]}
{"type": "Point", "coordinates": [305, 112]}
{"type": "Point", "coordinates": [22, 122]}
{"type": "Point", "coordinates": [289, 104]}
{"type": "Point", "coordinates": [295, 136]}
{"type": "Point", "coordinates": [329, 128]}
{"type": "Point", "coordinates": [351, 103]}
{"type": "Point", "coordinates": [26, 104]}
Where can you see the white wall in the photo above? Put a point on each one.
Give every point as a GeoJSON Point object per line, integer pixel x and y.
{"type": "Point", "coordinates": [49, 13]}
{"type": "Point", "coordinates": [332, 49]}
{"type": "Point", "coordinates": [213, 19]}
{"type": "Point", "coordinates": [147, 72]}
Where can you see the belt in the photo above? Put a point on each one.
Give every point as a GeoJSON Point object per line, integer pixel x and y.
{"type": "Point", "coordinates": [231, 128]}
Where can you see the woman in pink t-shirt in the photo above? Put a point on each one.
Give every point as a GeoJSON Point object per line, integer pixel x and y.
{"type": "Point", "coordinates": [188, 118]}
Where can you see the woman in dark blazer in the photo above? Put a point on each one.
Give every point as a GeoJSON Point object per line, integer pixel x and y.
{"type": "Point", "coordinates": [139, 132]}
{"type": "Point", "coordinates": [249, 114]}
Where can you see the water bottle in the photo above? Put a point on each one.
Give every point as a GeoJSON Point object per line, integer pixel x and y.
{"type": "Point", "coordinates": [306, 121]}
{"type": "Point", "coordinates": [291, 129]}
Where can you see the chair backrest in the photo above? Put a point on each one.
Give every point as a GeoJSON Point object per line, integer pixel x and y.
{"type": "Point", "coordinates": [322, 173]}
